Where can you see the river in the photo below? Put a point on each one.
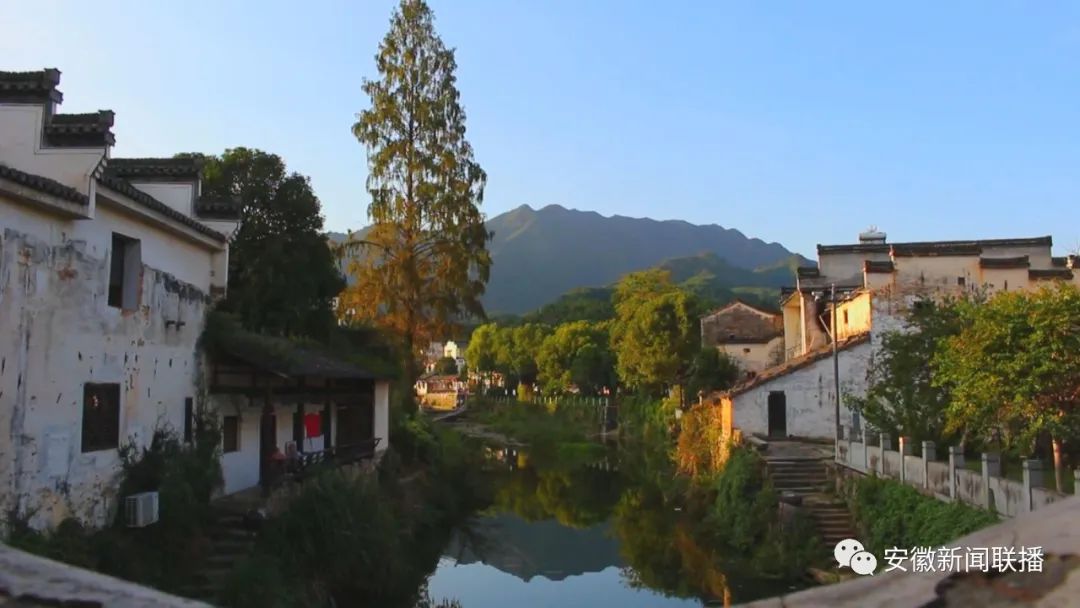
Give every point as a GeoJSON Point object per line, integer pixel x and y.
{"type": "Point", "coordinates": [587, 532]}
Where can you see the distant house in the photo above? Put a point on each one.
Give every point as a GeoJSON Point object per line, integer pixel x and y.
{"type": "Point", "coordinates": [753, 336]}
{"type": "Point", "coordinates": [434, 383]}
{"type": "Point", "coordinates": [875, 283]}
{"type": "Point", "coordinates": [108, 267]}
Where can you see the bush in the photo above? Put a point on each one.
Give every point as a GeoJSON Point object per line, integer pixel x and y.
{"type": "Point", "coordinates": [889, 514]}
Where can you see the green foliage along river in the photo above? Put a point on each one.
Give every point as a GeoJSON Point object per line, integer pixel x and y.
{"type": "Point", "coordinates": [611, 525]}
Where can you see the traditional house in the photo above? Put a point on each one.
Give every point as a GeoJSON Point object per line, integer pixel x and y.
{"type": "Point", "coordinates": [280, 400]}
{"type": "Point", "coordinates": [867, 288]}
{"type": "Point", "coordinates": [752, 336]}
{"type": "Point", "coordinates": [107, 269]}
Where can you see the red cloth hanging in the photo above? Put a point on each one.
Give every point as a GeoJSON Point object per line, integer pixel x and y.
{"type": "Point", "coordinates": [313, 425]}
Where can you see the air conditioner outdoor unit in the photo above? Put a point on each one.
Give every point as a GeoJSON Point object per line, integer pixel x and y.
{"type": "Point", "coordinates": [141, 509]}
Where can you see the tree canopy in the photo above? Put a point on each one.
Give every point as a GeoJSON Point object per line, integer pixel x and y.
{"type": "Point", "coordinates": [1013, 371]}
{"type": "Point", "coordinates": [902, 397]}
{"type": "Point", "coordinates": [282, 273]}
{"type": "Point", "coordinates": [656, 330]}
{"type": "Point", "coordinates": [576, 355]}
{"type": "Point", "coordinates": [424, 261]}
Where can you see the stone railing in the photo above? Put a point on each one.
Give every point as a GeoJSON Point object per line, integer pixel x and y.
{"type": "Point", "coordinates": [31, 581]}
{"type": "Point", "coordinates": [869, 452]}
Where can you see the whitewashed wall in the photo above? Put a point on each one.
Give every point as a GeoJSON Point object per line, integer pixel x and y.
{"type": "Point", "coordinates": [810, 395]}
{"type": "Point", "coordinates": [57, 333]}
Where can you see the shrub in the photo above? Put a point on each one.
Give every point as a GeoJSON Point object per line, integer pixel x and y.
{"type": "Point", "coordinates": [889, 514]}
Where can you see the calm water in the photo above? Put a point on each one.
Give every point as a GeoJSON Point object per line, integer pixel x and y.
{"type": "Point", "coordinates": [570, 536]}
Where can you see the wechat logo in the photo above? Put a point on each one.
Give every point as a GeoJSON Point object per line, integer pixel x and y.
{"type": "Point", "coordinates": [850, 553]}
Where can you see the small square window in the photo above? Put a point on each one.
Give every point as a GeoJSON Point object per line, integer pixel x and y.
{"type": "Point", "coordinates": [746, 351]}
{"type": "Point", "coordinates": [960, 281]}
{"type": "Point", "coordinates": [230, 434]}
{"type": "Point", "coordinates": [101, 417]}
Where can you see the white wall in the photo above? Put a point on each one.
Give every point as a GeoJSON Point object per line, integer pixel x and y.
{"type": "Point", "coordinates": [810, 396]}
{"type": "Point", "coordinates": [382, 414]}
{"type": "Point", "coordinates": [20, 148]}
{"type": "Point", "coordinates": [57, 333]}
{"type": "Point", "coordinates": [178, 195]}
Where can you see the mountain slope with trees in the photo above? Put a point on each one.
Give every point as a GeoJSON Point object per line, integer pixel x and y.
{"type": "Point", "coordinates": [539, 254]}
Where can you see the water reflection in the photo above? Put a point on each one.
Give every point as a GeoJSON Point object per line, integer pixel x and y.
{"type": "Point", "coordinates": [574, 530]}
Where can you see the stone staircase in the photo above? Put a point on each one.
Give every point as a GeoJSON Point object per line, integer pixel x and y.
{"type": "Point", "coordinates": [806, 479]}
{"type": "Point", "coordinates": [232, 539]}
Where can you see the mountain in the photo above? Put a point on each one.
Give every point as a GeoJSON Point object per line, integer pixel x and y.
{"type": "Point", "coordinates": [539, 254]}
{"type": "Point", "coordinates": [707, 275]}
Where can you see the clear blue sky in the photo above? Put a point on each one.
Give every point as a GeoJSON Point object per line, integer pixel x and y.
{"type": "Point", "coordinates": [796, 122]}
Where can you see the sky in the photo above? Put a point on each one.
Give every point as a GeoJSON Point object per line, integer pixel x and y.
{"type": "Point", "coordinates": [795, 122]}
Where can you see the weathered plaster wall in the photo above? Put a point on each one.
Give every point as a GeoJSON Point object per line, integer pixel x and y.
{"type": "Point", "coordinates": [21, 148]}
{"type": "Point", "coordinates": [756, 357]}
{"type": "Point", "coordinates": [178, 195]}
{"type": "Point", "coordinates": [1001, 279]}
{"type": "Point", "coordinates": [810, 396]}
{"type": "Point", "coordinates": [847, 267]}
{"type": "Point", "coordinates": [853, 316]}
{"type": "Point", "coordinates": [57, 333]}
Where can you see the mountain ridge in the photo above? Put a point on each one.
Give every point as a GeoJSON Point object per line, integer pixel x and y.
{"type": "Point", "coordinates": [540, 254]}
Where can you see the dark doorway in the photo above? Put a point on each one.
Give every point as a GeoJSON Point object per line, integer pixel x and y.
{"type": "Point", "coordinates": [355, 424]}
{"type": "Point", "coordinates": [267, 443]}
{"type": "Point", "coordinates": [777, 414]}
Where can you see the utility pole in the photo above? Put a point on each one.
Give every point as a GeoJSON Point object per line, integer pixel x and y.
{"type": "Point", "coordinates": [835, 358]}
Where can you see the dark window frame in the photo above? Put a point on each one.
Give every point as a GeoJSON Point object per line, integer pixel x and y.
{"type": "Point", "coordinates": [230, 438]}
{"type": "Point", "coordinates": [100, 424]}
{"type": "Point", "coordinates": [125, 270]}
{"type": "Point", "coordinates": [189, 420]}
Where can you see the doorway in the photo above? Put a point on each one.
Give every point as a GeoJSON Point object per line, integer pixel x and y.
{"type": "Point", "coordinates": [267, 443]}
{"type": "Point", "coordinates": [777, 414]}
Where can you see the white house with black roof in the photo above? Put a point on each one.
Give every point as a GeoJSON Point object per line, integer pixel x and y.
{"type": "Point", "coordinates": [107, 269]}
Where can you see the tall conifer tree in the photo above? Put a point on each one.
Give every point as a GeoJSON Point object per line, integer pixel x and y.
{"type": "Point", "coordinates": [424, 262]}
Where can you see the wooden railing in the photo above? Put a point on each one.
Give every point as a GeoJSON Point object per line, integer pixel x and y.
{"type": "Point", "coordinates": [335, 456]}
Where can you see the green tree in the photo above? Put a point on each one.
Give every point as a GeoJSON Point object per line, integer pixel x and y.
{"type": "Point", "coordinates": [655, 332]}
{"type": "Point", "coordinates": [526, 341]}
{"type": "Point", "coordinates": [712, 370]}
{"type": "Point", "coordinates": [902, 397]}
{"type": "Point", "coordinates": [1014, 369]}
{"type": "Point", "coordinates": [575, 355]}
{"type": "Point", "coordinates": [424, 262]}
{"type": "Point", "coordinates": [282, 272]}
{"type": "Point", "coordinates": [446, 366]}
{"type": "Point", "coordinates": [481, 350]}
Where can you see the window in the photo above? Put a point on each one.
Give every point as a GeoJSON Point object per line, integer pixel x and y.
{"type": "Point", "coordinates": [230, 434]}
{"type": "Point", "coordinates": [101, 417]}
{"type": "Point", "coordinates": [845, 318]}
{"type": "Point", "coordinates": [189, 415]}
{"type": "Point", "coordinates": [746, 351]}
{"type": "Point", "coordinates": [1006, 285]}
{"type": "Point", "coordinates": [125, 268]}
{"type": "Point", "coordinates": [960, 281]}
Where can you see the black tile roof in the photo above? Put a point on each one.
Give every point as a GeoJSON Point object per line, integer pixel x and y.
{"type": "Point", "coordinates": [155, 167]}
{"type": "Point", "coordinates": [217, 209]}
{"type": "Point", "coordinates": [935, 249]}
{"type": "Point", "coordinates": [886, 247]}
{"type": "Point", "coordinates": [30, 87]}
{"type": "Point", "coordinates": [882, 266]}
{"type": "Point", "coordinates": [1050, 273]}
{"type": "Point", "coordinates": [125, 187]}
{"type": "Point", "coordinates": [1060, 261]}
{"type": "Point", "coordinates": [807, 272]}
{"type": "Point", "coordinates": [80, 130]}
{"type": "Point", "coordinates": [43, 184]}
{"type": "Point", "coordinates": [1020, 261]}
